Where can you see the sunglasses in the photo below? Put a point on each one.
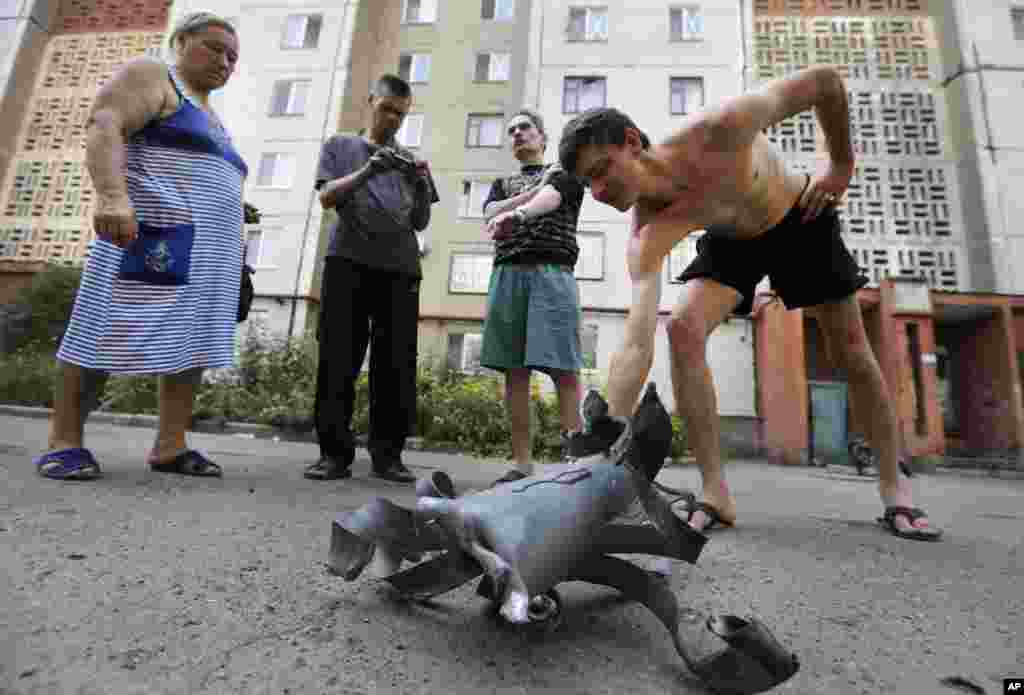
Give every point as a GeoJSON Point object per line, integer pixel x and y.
{"type": "Point", "coordinates": [524, 125]}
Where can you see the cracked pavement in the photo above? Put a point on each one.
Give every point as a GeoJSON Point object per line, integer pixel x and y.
{"type": "Point", "coordinates": [143, 583]}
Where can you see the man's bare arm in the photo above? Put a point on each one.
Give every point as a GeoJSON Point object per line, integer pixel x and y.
{"type": "Point", "coordinates": [821, 88]}
{"type": "Point", "coordinates": [631, 363]}
{"type": "Point", "coordinates": [337, 189]}
{"type": "Point", "coordinates": [496, 207]}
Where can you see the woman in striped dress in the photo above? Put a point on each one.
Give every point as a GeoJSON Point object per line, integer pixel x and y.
{"type": "Point", "coordinates": [159, 294]}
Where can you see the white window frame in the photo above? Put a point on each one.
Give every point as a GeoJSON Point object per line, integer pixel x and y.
{"type": "Point", "coordinates": [475, 124]}
{"type": "Point", "coordinates": [493, 74]}
{"type": "Point", "coordinates": [411, 126]}
{"type": "Point", "coordinates": [590, 32]}
{"type": "Point", "coordinates": [418, 63]}
{"type": "Point", "coordinates": [501, 10]}
{"type": "Point", "coordinates": [691, 23]}
{"type": "Point", "coordinates": [472, 343]}
{"type": "Point", "coordinates": [591, 269]}
{"type": "Point", "coordinates": [474, 279]}
{"type": "Point", "coordinates": [428, 17]}
{"type": "Point", "coordinates": [578, 91]}
{"type": "Point", "coordinates": [295, 88]}
{"type": "Point", "coordinates": [682, 254]}
{"type": "Point", "coordinates": [278, 180]}
{"type": "Point", "coordinates": [597, 337]}
{"type": "Point", "coordinates": [255, 259]}
{"type": "Point", "coordinates": [302, 46]}
{"type": "Point", "coordinates": [672, 81]}
{"type": "Point", "coordinates": [471, 203]}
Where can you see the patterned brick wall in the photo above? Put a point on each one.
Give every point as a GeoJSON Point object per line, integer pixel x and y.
{"type": "Point", "coordinates": [99, 16]}
{"type": "Point", "coordinates": [46, 199]}
{"type": "Point", "coordinates": [902, 211]}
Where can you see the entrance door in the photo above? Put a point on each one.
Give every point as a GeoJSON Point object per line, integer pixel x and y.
{"type": "Point", "coordinates": [828, 422]}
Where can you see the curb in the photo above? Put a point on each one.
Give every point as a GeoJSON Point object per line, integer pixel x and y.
{"type": "Point", "coordinates": [214, 426]}
{"type": "Point", "coordinates": [850, 473]}
{"type": "Point", "coordinates": [255, 430]}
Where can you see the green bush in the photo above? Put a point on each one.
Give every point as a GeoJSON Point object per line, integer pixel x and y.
{"type": "Point", "coordinates": [27, 376]}
{"type": "Point", "coordinates": [275, 384]}
{"type": "Point", "coordinates": [49, 299]}
{"type": "Point", "coordinates": [130, 394]}
{"type": "Point", "coordinates": [680, 445]}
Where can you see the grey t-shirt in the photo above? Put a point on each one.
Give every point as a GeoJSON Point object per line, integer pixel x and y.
{"type": "Point", "coordinates": [374, 224]}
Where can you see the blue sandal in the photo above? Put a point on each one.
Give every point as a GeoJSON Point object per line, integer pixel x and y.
{"type": "Point", "coordinates": [68, 464]}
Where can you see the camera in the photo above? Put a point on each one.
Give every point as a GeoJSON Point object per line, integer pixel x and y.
{"type": "Point", "coordinates": [405, 165]}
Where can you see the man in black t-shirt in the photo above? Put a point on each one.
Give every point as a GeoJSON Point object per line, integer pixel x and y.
{"type": "Point", "coordinates": [533, 307]}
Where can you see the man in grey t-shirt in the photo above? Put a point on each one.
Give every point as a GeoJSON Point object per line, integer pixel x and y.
{"type": "Point", "coordinates": [382, 195]}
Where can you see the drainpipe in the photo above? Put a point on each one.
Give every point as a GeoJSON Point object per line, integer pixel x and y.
{"type": "Point", "coordinates": [744, 63]}
{"type": "Point", "coordinates": [344, 36]}
{"type": "Point", "coordinates": [540, 52]}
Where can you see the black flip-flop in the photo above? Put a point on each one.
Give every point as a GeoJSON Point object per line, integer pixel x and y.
{"type": "Point", "coordinates": [189, 462]}
{"type": "Point", "coordinates": [510, 477]}
{"type": "Point", "coordinates": [912, 514]}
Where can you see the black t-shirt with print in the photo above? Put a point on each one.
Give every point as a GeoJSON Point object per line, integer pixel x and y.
{"type": "Point", "coordinates": [549, 238]}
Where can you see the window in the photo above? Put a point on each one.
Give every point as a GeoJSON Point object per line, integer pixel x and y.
{"type": "Point", "coordinates": [254, 247]}
{"type": "Point", "coordinates": [419, 11]}
{"type": "Point", "coordinates": [277, 170]}
{"type": "Point", "coordinates": [582, 93]}
{"type": "Point", "coordinates": [588, 345]}
{"type": "Point", "coordinates": [289, 98]}
{"type": "Point", "coordinates": [588, 24]}
{"type": "Point", "coordinates": [1017, 19]}
{"type": "Point", "coordinates": [590, 265]}
{"type": "Point", "coordinates": [474, 193]}
{"type": "Point", "coordinates": [682, 255]}
{"type": "Point", "coordinates": [470, 273]}
{"type": "Point", "coordinates": [464, 352]}
{"type": "Point", "coordinates": [498, 9]}
{"type": "Point", "coordinates": [484, 130]}
{"type": "Point", "coordinates": [686, 95]}
{"type": "Point", "coordinates": [414, 67]}
{"type": "Point", "coordinates": [493, 67]}
{"type": "Point", "coordinates": [302, 31]}
{"type": "Point", "coordinates": [411, 132]}
{"type": "Point", "coordinates": [685, 23]}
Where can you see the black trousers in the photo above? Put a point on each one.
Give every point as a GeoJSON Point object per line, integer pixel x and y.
{"type": "Point", "coordinates": [362, 306]}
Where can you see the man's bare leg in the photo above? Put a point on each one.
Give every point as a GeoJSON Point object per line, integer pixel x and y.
{"type": "Point", "coordinates": [568, 386]}
{"type": "Point", "coordinates": [843, 326]}
{"type": "Point", "coordinates": [702, 306]}
{"type": "Point", "coordinates": [517, 403]}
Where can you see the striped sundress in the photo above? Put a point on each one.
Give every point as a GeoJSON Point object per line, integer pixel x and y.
{"type": "Point", "coordinates": [168, 301]}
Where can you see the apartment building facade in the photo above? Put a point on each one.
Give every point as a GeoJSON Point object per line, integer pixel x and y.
{"type": "Point", "coordinates": [929, 214]}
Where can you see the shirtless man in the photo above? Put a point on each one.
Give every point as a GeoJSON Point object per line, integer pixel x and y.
{"type": "Point", "coordinates": [720, 173]}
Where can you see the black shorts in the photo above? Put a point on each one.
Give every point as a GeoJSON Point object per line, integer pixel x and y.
{"type": "Point", "coordinates": [807, 263]}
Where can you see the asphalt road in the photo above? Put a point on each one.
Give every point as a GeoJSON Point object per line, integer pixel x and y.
{"type": "Point", "coordinates": [149, 583]}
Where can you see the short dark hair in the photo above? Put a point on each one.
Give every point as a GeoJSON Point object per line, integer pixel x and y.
{"type": "Point", "coordinates": [536, 119]}
{"type": "Point", "coordinates": [601, 126]}
{"type": "Point", "coordinates": [389, 85]}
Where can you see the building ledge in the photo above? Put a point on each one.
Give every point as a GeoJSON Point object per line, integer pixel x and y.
{"type": "Point", "coordinates": [22, 266]}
